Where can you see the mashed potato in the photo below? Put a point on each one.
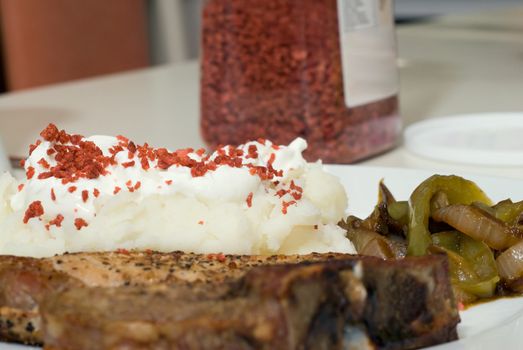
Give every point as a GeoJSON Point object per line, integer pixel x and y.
{"type": "Point", "coordinates": [104, 193]}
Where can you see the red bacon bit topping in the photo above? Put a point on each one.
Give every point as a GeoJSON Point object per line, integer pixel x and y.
{"type": "Point", "coordinates": [116, 190]}
{"type": "Point", "coordinates": [53, 195]}
{"type": "Point", "coordinates": [44, 163]}
{"type": "Point", "coordinates": [131, 147]}
{"type": "Point", "coordinates": [122, 138]}
{"type": "Point", "coordinates": [201, 222]}
{"type": "Point", "coordinates": [96, 193]}
{"type": "Point", "coordinates": [85, 195]}
{"type": "Point", "coordinates": [137, 185]}
{"type": "Point", "coordinates": [286, 205]}
{"type": "Point", "coordinates": [57, 221]}
{"type": "Point", "coordinates": [33, 146]}
{"type": "Point", "coordinates": [252, 152]}
{"type": "Point", "coordinates": [22, 163]}
{"type": "Point", "coordinates": [122, 251]}
{"type": "Point", "coordinates": [45, 175]}
{"type": "Point", "coordinates": [249, 200]}
{"type": "Point", "coordinates": [34, 210]}
{"type": "Point", "coordinates": [74, 157]}
{"type": "Point", "coordinates": [272, 158]}
{"type": "Point", "coordinates": [50, 151]}
{"type": "Point", "coordinates": [80, 223]}
{"type": "Point", "coordinates": [20, 187]}
{"type": "Point", "coordinates": [72, 189]}
{"type": "Point", "coordinates": [169, 182]}
{"type": "Point", "coordinates": [30, 173]}
{"type": "Point", "coordinates": [144, 163]}
{"type": "Point", "coordinates": [281, 193]}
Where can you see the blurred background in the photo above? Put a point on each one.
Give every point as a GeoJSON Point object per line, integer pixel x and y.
{"type": "Point", "coordinates": [51, 41]}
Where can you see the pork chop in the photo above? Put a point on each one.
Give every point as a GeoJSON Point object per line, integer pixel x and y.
{"type": "Point", "coordinates": [26, 282]}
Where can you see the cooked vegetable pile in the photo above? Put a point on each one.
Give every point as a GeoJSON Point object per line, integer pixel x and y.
{"type": "Point", "coordinates": [449, 215]}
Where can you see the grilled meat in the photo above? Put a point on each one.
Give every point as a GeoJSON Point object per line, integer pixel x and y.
{"type": "Point", "coordinates": [401, 304]}
{"type": "Point", "coordinates": [239, 316]}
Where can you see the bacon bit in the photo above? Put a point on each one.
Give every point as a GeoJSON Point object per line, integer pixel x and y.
{"type": "Point", "coordinates": [275, 147]}
{"type": "Point", "coordinates": [281, 193]}
{"type": "Point", "coordinates": [45, 175]}
{"type": "Point", "coordinates": [249, 200]}
{"type": "Point", "coordinates": [271, 159]}
{"type": "Point", "coordinates": [122, 139]}
{"type": "Point", "coordinates": [122, 251]}
{"type": "Point", "coordinates": [128, 183]}
{"type": "Point", "coordinates": [116, 190]}
{"type": "Point", "coordinates": [461, 306]}
{"type": "Point", "coordinates": [80, 223]}
{"type": "Point", "coordinates": [252, 152]}
{"type": "Point", "coordinates": [44, 163]}
{"type": "Point", "coordinates": [96, 193]}
{"type": "Point", "coordinates": [131, 147]}
{"type": "Point", "coordinates": [30, 173]}
{"type": "Point", "coordinates": [262, 141]}
{"type": "Point", "coordinates": [286, 205]}
{"type": "Point", "coordinates": [50, 151]}
{"type": "Point", "coordinates": [137, 185]}
{"type": "Point", "coordinates": [33, 147]}
{"type": "Point", "coordinates": [128, 164]}
{"type": "Point", "coordinates": [74, 157]}
{"type": "Point", "coordinates": [169, 182]}
{"type": "Point", "coordinates": [57, 221]}
{"type": "Point", "coordinates": [20, 187]}
{"type": "Point", "coordinates": [22, 163]}
{"type": "Point", "coordinates": [85, 195]}
{"type": "Point", "coordinates": [144, 163]}
{"type": "Point", "coordinates": [296, 195]}
{"type": "Point", "coordinates": [219, 257]}
{"type": "Point", "coordinates": [295, 187]}
{"type": "Point", "coordinates": [201, 222]}
{"type": "Point", "coordinates": [53, 195]}
{"type": "Point", "coordinates": [200, 152]}
{"type": "Point", "coordinates": [34, 210]}
{"type": "Point", "coordinates": [72, 189]}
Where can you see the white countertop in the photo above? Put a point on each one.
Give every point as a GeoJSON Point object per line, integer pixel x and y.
{"type": "Point", "coordinates": [457, 64]}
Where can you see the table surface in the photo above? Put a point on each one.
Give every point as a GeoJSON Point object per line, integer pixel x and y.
{"type": "Point", "coordinates": [452, 65]}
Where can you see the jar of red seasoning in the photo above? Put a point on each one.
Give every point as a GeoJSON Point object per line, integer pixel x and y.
{"type": "Point", "coordinates": [324, 70]}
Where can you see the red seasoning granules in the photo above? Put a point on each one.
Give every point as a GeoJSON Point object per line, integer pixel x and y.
{"type": "Point", "coordinates": [274, 69]}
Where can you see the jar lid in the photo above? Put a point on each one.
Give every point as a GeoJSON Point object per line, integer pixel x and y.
{"type": "Point", "coordinates": [481, 139]}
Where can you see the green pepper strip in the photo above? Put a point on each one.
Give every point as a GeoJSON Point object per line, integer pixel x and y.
{"type": "Point", "coordinates": [508, 212]}
{"type": "Point", "coordinates": [458, 191]}
{"type": "Point", "coordinates": [472, 267]}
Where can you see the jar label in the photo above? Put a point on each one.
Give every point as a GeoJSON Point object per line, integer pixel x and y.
{"type": "Point", "coordinates": [368, 50]}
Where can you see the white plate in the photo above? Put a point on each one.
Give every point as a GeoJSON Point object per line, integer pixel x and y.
{"type": "Point", "coordinates": [491, 325]}
{"type": "Point", "coordinates": [484, 139]}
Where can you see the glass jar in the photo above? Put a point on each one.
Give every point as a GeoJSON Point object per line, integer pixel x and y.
{"type": "Point", "coordinates": [324, 70]}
